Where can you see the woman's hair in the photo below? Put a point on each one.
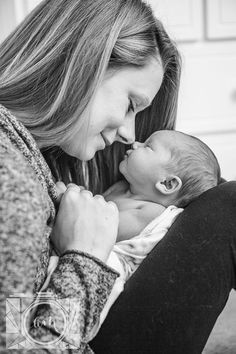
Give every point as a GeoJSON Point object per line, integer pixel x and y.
{"type": "Point", "coordinates": [52, 64]}
{"type": "Point", "coordinates": [196, 165]}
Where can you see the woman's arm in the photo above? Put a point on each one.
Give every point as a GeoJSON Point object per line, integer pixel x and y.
{"type": "Point", "coordinates": [79, 278]}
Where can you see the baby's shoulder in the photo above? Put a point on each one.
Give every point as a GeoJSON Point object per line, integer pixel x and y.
{"type": "Point", "coordinates": [147, 205]}
{"type": "Point", "coordinates": [151, 209]}
{"type": "Point", "coordinates": [142, 212]}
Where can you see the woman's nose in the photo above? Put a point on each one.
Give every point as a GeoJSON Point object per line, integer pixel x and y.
{"type": "Point", "coordinates": [126, 132]}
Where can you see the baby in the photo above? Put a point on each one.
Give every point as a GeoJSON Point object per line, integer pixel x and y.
{"type": "Point", "coordinates": [170, 168]}
{"type": "Point", "coordinates": [162, 175]}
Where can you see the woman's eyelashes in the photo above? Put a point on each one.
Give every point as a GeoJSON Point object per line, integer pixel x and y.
{"type": "Point", "coordinates": [148, 145]}
{"type": "Point", "coordinates": [131, 107]}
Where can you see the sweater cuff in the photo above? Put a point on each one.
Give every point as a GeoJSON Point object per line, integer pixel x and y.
{"type": "Point", "coordinates": [72, 255]}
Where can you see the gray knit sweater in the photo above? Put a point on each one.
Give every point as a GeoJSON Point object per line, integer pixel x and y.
{"type": "Point", "coordinates": [27, 197]}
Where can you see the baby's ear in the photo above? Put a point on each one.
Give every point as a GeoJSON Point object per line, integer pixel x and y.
{"type": "Point", "coordinates": [170, 185]}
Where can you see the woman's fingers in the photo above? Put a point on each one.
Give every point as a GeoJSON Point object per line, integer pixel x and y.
{"type": "Point", "coordinates": [113, 205]}
{"type": "Point", "coordinates": [85, 222]}
{"type": "Point", "coordinates": [81, 188]}
{"type": "Point", "coordinates": [99, 197]}
{"type": "Point", "coordinates": [75, 185]}
{"type": "Point", "coordinates": [62, 188]}
{"type": "Point", "coordinates": [87, 193]}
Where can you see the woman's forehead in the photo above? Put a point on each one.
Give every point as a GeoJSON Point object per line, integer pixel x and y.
{"type": "Point", "coordinates": [135, 78]}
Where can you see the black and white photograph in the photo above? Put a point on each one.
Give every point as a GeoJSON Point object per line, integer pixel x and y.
{"type": "Point", "coordinates": [118, 176]}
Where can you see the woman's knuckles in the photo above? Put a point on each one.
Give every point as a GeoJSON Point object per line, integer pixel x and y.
{"type": "Point", "coordinates": [112, 206]}
{"type": "Point", "coordinates": [86, 193]}
{"type": "Point", "coordinates": [70, 195]}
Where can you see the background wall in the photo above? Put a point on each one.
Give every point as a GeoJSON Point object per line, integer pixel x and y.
{"type": "Point", "coordinates": [205, 32]}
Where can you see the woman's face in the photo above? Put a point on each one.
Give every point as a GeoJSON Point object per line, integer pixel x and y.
{"type": "Point", "coordinates": [121, 95]}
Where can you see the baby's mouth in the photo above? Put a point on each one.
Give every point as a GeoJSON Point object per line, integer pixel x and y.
{"type": "Point", "coordinates": [128, 152]}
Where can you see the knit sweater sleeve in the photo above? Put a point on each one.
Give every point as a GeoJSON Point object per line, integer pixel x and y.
{"type": "Point", "coordinates": [82, 294]}
{"type": "Point", "coordinates": [81, 282]}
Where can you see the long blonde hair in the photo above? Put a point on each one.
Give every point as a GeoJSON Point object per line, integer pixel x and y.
{"type": "Point", "coordinates": [52, 64]}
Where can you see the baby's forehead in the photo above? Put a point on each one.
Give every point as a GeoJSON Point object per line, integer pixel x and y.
{"type": "Point", "coordinates": [169, 138]}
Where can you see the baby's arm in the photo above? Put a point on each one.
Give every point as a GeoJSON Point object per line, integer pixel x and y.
{"type": "Point", "coordinates": [133, 221]}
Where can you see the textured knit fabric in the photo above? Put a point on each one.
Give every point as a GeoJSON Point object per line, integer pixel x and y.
{"type": "Point", "coordinates": [27, 212]}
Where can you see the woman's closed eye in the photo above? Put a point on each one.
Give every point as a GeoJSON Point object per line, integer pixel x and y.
{"type": "Point", "coordinates": [131, 106]}
{"type": "Point", "coordinates": [148, 146]}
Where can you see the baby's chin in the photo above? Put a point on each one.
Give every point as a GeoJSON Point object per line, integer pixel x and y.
{"type": "Point", "coordinates": [124, 170]}
{"type": "Point", "coordinates": [122, 166]}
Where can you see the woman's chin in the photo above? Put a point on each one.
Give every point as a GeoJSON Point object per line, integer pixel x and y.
{"type": "Point", "coordinates": [83, 154]}
{"type": "Point", "coordinates": [86, 156]}
{"type": "Point", "coordinates": [80, 156]}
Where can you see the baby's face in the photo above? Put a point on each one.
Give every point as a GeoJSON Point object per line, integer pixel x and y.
{"type": "Point", "coordinates": [145, 164]}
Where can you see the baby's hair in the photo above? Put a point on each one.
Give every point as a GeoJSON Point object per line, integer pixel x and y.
{"type": "Point", "coordinates": [197, 166]}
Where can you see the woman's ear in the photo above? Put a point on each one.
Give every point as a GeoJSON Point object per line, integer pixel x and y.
{"type": "Point", "coordinates": [170, 185]}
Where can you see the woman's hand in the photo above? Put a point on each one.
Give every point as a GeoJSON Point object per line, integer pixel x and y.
{"type": "Point", "coordinates": [85, 223]}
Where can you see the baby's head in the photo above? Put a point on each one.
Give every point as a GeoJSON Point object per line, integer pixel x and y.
{"type": "Point", "coordinates": [170, 168]}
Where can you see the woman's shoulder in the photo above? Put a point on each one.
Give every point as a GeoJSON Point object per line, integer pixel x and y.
{"type": "Point", "coordinates": [17, 178]}
{"type": "Point", "coordinates": [6, 146]}
{"type": "Point", "coordinates": [25, 206]}
{"type": "Point", "coordinates": [24, 211]}
{"type": "Point", "coordinates": [12, 159]}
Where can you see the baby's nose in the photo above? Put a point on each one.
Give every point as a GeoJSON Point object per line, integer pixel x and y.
{"type": "Point", "coordinates": [136, 145]}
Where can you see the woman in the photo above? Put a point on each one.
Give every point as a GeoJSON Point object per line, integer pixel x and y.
{"type": "Point", "coordinates": [73, 76]}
